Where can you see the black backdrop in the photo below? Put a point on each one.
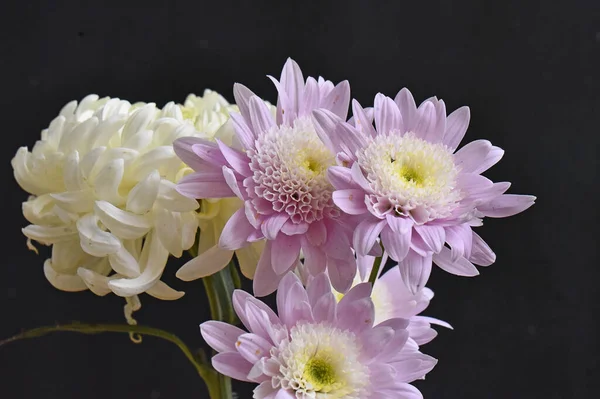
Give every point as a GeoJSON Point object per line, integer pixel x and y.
{"type": "Point", "coordinates": [525, 328]}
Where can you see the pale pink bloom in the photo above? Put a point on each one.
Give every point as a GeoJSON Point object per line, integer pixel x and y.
{"type": "Point", "coordinates": [279, 171]}
{"type": "Point", "coordinates": [405, 183]}
{"type": "Point", "coordinates": [316, 347]}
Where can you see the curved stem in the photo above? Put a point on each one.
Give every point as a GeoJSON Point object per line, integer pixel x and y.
{"type": "Point", "coordinates": [204, 371]}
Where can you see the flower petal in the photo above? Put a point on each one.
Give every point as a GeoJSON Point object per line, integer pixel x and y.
{"type": "Point", "coordinates": [415, 270]}
{"type": "Point", "coordinates": [205, 264]}
{"type": "Point", "coordinates": [236, 231]}
{"type": "Point", "coordinates": [477, 156]}
{"type": "Point", "coordinates": [123, 224]}
{"type": "Point", "coordinates": [233, 365]}
{"type": "Point", "coordinates": [456, 127]}
{"type": "Point", "coordinates": [481, 253]}
{"type": "Point", "coordinates": [351, 201]}
{"type": "Point", "coordinates": [143, 194]}
{"type": "Point", "coordinates": [94, 240]}
{"type": "Point", "coordinates": [285, 251]}
{"type": "Point", "coordinates": [220, 336]}
{"type": "Point", "coordinates": [462, 267]}
{"type": "Point", "coordinates": [506, 205]}
{"type": "Point", "coordinates": [366, 233]}
{"type": "Point", "coordinates": [387, 115]}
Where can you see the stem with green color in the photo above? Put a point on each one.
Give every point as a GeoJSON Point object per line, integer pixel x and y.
{"type": "Point", "coordinates": [209, 375]}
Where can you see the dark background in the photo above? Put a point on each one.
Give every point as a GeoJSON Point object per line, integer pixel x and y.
{"type": "Point", "coordinates": [525, 328]}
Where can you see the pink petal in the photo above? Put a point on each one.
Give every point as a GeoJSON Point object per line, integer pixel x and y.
{"type": "Point", "coordinates": [355, 316]}
{"type": "Point", "coordinates": [239, 300]}
{"type": "Point", "coordinates": [359, 178]}
{"type": "Point", "coordinates": [315, 259]}
{"type": "Point", "coordinates": [507, 205]}
{"type": "Point", "coordinates": [260, 116]}
{"type": "Point", "coordinates": [481, 253]}
{"type": "Point", "coordinates": [408, 108]}
{"type": "Point", "coordinates": [290, 294]}
{"type": "Point", "coordinates": [397, 244]}
{"type": "Point", "coordinates": [362, 122]}
{"type": "Point", "coordinates": [237, 159]}
{"type": "Point", "coordinates": [351, 201]}
{"type": "Point", "coordinates": [456, 127]}
{"type": "Point", "coordinates": [477, 156]}
{"type": "Point", "coordinates": [426, 121]}
{"type": "Point", "coordinates": [220, 336]}
{"type": "Point", "coordinates": [341, 272]}
{"type": "Point", "coordinates": [415, 366]}
{"type": "Point", "coordinates": [242, 131]}
{"type": "Point", "coordinates": [324, 309]}
{"type": "Point", "coordinates": [387, 115]}
{"type": "Point", "coordinates": [462, 267]}
{"type": "Point", "coordinates": [242, 96]}
{"type": "Point", "coordinates": [253, 347]}
{"type": "Point", "coordinates": [317, 286]}
{"type": "Point", "coordinates": [415, 270]}
{"type": "Point", "coordinates": [460, 239]}
{"type": "Point", "coordinates": [265, 279]}
{"type": "Point", "coordinates": [338, 100]}
{"type": "Point", "coordinates": [434, 236]}
{"type": "Point", "coordinates": [366, 233]}
{"type": "Point", "coordinates": [317, 233]}
{"type": "Point", "coordinates": [233, 365]}
{"type": "Point", "coordinates": [311, 97]}
{"type": "Point", "coordinates": [292, 82]}
{"type": "Point", "coordinates": [374, 340]}
{"type": "Point", "coordinates": [290, 228]}
{"type": "Point", "coordinates": [285, 112]}
{"type": "Point", "coordinates": [204, 185]}
{"type": "Point", "coordinates": [336, 134]}
{"type": "Point", "coordinates": [233, 183]}
{"type": "Point", "coordinates": [284, 253]}
{"type": "Point", "coordinates": [341, 178]}
{"type": "Point", "coordinates": [337, 244]}
{"type": "Point", "coordinates": [209, 152]}
{"type": "Point", "coordinates": [183, 149]}
{"type": "Point", "coordinates": [236, 231]}
{"type": "Point", "coordinates": [273, 224]}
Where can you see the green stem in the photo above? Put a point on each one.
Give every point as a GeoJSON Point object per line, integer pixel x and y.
{"type": "Point", "coordinates": [207, 373]}
{"type": "Point", "coordinates": [375, 270]}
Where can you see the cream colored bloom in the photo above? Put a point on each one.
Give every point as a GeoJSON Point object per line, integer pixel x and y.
{"type": "Point", "coordinates": [102, 180]}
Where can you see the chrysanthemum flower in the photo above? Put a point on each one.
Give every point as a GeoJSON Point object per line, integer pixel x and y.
{"type": "Point", "coordinates": [410, 187]}
{"type": "Point", "coordinates": [316, 347]}
{"type": "Point", "coordinates": [392, 299]}
{"type": "Point", "coordinates": [280, 174]}
{"type": "Point", "coordinates": [102, 180]}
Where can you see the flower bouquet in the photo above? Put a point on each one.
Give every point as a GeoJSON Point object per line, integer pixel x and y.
{"type": "Point", "coordinates": [296, 196]}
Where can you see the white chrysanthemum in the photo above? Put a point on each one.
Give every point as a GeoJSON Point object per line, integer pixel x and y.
{"type": "Point", "coordinates": [320, 361]}
{"type": "Point", "coordinates": [411, 172]}
{"type": "Point", "coordinates": [102, 180]}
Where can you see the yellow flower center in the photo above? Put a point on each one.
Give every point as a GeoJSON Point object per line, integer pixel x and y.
{"type": "Point", "coordinates": [320, 373]}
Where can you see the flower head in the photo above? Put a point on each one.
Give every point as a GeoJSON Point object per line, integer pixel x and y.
{"type": "Point", "coordinates": [405, 183]}
{"type": "Point", "coordinates": [392, 299]}
{"type": "Point", "coordinates": [279, 171]}
{"type": "Point", "coordinates": [316, 347]}
{"type": "Point", "coordinates": [102, 180]}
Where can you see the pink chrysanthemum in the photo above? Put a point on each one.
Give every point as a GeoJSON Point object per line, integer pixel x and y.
{"type": "Point", "coordinates": [409, 187]}
{"type": "Point", "coordinates": [316, 347]}
{"type": "Point", "coordinates": [392, 299]}
{"type": "Point", "coordinates": [280, 174]}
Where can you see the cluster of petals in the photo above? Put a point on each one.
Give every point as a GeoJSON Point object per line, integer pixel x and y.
{"type": "Point", "coordinates": [102, 184]}
{"type": "Point", "coordinates": [277, 165]}
{"type": "Point", "coordinates": [316, 347]}
{"type": "Point", "coordinates": [392, 299]}
{"type": "Point", "coordinates": [408, 188]}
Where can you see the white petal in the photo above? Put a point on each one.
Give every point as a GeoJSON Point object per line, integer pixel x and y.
{"type": "Point", "coordinates": [96, 282]}
{"type": "Point", "coordinates": [94, 240]}
{"type": "Point", "coordinates": [75, 201]}
{"type": "Point", "coordinates": [64, 282]}
{"type": "Point", "coordinates": [153, 260]}
{"type": "Point", "coordinates": [123, 262]}
{"type": "Point", "coordinates": [170, 199]}
{"type": "Point", "coordinates": [142, 196]}
{"type": "Point", "coordinates": [67, 256]}
{"type": "Point", "coordinates": [121, 223]}
{"type": "Point", "coordinates": [49, 235]}
{"type": "Point", "coordinates": [72, 174]}
{"type": "Point", "coordinates": [168, 228]}
{"type": "Point", "coordinates": [205, 264]}
{"type": "Point", "coordinates": [106, 183]}
{"type": "Point", "coordinates": [138, 121]}
{"type": "Point", "coordinates": [162, 291]}
{"type": "Point", "coordinates": [38, 210]}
